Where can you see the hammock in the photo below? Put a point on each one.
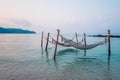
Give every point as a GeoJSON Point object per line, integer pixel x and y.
{"type": "Point", "coordinates": [66, 44]}
{"type": "Point", "coordinates": [69, 43]}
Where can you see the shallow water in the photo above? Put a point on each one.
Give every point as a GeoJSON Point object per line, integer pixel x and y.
{"type": "Point", "coordinates": [21, 58]}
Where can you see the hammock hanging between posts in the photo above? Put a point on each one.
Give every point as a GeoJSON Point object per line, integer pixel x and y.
{"type": "Point", "coordinates": [79, 45]}
{"type": "Point", "coordinates": [62, 43]}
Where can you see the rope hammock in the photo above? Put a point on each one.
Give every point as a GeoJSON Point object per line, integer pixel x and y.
{"type": "Point", "coordinates": [62, 43]}
{"type": "Point", "coordinates": [78, 45]}
{"type": "Point", "coordinates": [71, 43]}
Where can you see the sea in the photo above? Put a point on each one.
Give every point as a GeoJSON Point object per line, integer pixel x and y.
{"type": "Point", "coordinates": [22, 58]}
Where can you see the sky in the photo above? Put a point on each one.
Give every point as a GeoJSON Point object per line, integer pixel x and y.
{"type": "Point", "coordinates": [89, 16]}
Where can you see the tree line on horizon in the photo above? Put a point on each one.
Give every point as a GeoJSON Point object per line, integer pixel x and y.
{"type": "Point", "coordinates": [15, 30]}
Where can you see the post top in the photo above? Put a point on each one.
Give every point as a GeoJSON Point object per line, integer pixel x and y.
{"type": "Point", "coordinates": [108, 31]}
{"type": "Point", "coordinates": [58, 30]}
{"type": "Point", "coordinates": [84, 34]}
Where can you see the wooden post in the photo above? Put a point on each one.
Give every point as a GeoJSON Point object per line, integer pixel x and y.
{"type": "Point", "coordinates": [76, 37]}
{"type": "Point", "coordinates": [109, 50]}
{"type": "Point", "coordinates": [85, 44]}
{"type": "Point", "coordinates": [61, 39]}
{"type": "Point", "coordinates": [85, 39]}
{"type": "Point", "coordinates": [42, 40]}
{"type": "Point", "coordinates": [47, 42]}
{"type": "Point", "coordinates": [58, 33]}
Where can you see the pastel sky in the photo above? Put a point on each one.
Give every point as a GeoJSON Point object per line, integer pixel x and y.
{"type": "Point", "coordinates": [90, 16]}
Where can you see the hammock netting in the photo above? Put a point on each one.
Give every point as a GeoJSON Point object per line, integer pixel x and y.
{"type": "Point", "coordinates": [70, 43]}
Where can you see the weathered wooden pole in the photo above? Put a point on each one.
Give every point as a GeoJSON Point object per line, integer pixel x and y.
{"type": "Point", "coordinates": [109, 48]}
{"type": "Point", "coordinates": [61, 39]}
{"type": "Point", "coordinates": [42, 40]}
{"type": "Point", "coordinates": [85, 39]}
{"type": "Point", "coordinates": [76, 37]}
{"type": "Point", "coordinates": [47, 42]}
{"type": "Point", "coordinates": [85, 44]}
{"type": "Point", "coordinates": [58, 33]}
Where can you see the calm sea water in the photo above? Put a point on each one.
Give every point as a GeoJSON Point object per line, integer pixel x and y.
{"type": "Point", "coordinates": [21, 58]}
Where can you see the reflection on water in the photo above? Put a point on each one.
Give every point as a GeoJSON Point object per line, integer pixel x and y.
{"type": "Point", "coordinates": [81, 68]}
{"type": "Point", "coordinates": [23, 59]}
{"type": "Point", "coordinates": [66, 51]}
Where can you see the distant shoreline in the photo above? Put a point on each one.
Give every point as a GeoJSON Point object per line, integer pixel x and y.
{"type": "Point", "coordinates": [15, 31]}
{"type": "Point", "coordinates": [99, 35]}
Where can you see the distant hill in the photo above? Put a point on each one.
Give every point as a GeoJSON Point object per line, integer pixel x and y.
{"type": "Point", "coordinates": [99, 35]}
{"type": "Point", "coordinates": [15, 30]}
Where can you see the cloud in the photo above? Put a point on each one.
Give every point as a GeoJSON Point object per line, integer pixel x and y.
{"type": "Point", "coordinates": [16, 23]}
{"type": "Point", "coordinates": [22, 22]}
